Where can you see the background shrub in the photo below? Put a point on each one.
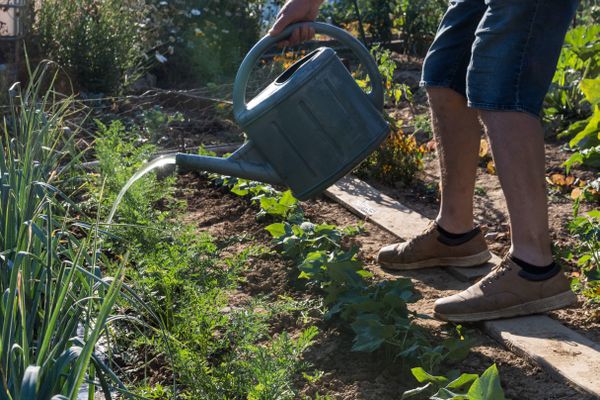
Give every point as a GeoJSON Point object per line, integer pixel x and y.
{"type": "Point", "coordinates": [414, 22]}
{"type": "Point", "coordinates": [101, 43]}
{"type": "Point", "coordinates": [398, 159]}
{"type": "Point", "coordinates": [205, 40]}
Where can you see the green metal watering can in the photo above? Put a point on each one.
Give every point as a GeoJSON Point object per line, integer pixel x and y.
{"type": "Point", "coordinates": [308, 128]}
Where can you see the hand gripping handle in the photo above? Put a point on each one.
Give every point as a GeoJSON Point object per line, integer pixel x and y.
{"type": "Point", "coordinates": [243, 75]}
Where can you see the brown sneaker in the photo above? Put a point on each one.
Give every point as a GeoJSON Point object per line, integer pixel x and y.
{"type": "Point", "coordinates": [431, 249]}
{"type": "Point", "coordinates": [503, 293]}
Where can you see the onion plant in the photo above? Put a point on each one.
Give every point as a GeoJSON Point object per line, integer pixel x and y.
{"type": "Point", "coordinates": [54, 303]}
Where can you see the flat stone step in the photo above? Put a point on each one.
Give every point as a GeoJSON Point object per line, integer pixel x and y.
{"type": "Point", "coordinates": [564, 353]}
{"type": "Point", "coordinates": [389, 214]}
{"type": "Point", "coordinates": [474, 273]}
{"type": "Point", "coordinates": [378, 208]}
{"type": "Point", "coordinates": [561, 351]}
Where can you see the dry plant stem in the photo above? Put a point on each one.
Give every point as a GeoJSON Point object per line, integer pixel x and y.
{"type": "Point", "coordinates": [457, 132]}
{"type": "Point", "coordinates": [517, 143]}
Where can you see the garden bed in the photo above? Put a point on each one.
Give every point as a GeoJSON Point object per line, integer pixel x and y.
{"type": "Point", "coordinates": [347, 374]}
{"type": "Point", "coordinates": [231, 220]}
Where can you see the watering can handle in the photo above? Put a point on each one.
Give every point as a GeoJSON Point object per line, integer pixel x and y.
{"type": "Point", "coordinates": [243, 75]}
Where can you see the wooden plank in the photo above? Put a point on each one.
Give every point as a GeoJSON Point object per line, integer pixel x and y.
{"type": "Point", "coordinates": [366, 201]}
{"type": "Point", "coordinates": [563, 352]}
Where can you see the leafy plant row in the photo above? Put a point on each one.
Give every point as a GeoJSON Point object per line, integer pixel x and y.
{"type": "Point", "coordinates": [376, 312]}
{"type": "Point", "coordinates": [188, 341]}
{"type": "Point", "coordinates": [574, 99]}
{"type": "Point", "coordinates": [56, 301]}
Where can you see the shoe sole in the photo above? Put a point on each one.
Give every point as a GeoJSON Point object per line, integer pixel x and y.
{"type": "Point", "coordinates": [464, 262]}
{"type": "Point", "coordinates": [533, 307]}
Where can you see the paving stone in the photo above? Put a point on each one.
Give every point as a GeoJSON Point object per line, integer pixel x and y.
{"type": "Point", "coordinates": [380, 209]}
{"type": "Point", "coordinates": [563, 352]}
{"type": "Point", "coordinates": [474, 273]}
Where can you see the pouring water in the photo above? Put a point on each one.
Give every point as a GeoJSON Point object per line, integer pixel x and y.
{"type": "Point", "coordinates": [306, 130]}
{"type": "Point", "coordinates": [155, 164]}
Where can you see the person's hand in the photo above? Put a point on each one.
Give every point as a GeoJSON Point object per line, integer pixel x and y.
{"type": "Point", "coordinates": [296, 11]}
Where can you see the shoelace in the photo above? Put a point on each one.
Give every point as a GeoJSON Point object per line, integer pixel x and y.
{"type": "Point", "coordinates": [497, 272]}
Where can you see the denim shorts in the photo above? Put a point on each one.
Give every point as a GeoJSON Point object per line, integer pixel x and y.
{"type": "Point", "coordinates": [500, 54]}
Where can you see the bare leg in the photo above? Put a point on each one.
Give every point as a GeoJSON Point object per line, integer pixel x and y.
{"type": "Point", "coordinates": [517, 143]}
{"type": "Point", "coordinates": [457, 133]}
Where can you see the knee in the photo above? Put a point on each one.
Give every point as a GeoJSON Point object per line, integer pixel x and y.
{"type": "Point", "coordinates": [503, 123]}
{"type": "Point", "coordinates": [445, 97]}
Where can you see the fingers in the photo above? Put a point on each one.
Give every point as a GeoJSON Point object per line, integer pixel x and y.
{"type": "Point", "coordinates": [302, 34]}
{"type": "Point", "coordinates": [306, 33]}
{"type": "Point", "coordinates": [295, 38]}
{"type": "Point", "coordinates": [279, 25]}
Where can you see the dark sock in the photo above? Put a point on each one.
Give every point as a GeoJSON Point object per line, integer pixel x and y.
{"type": "Point", "coordinates": [456, 239]}
{"type": "Point", "coordinates": [535, 272]}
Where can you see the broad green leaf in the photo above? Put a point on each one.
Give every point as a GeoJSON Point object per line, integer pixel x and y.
{"type": "Point", "coordinates": [574, 160]}
{"type": "Point", "coordinates": [288, 199]}
{"type": "Point", "coordinates": [574, 128]}
{"type": "Point", "coordinates": [370, 333]}
{"type": "Point", "coordinates": [487, 387]}
{"type": "Point", "coordinates": [462, 381]}
{"type": "Point", "coordinates": [591, 89]}
{"type": "Point", "coordinates": [445, 394]}
{"type": "Point", "coordinates": [345, 272]}
{"type": "Point", "coordinates": [278, 230]}
{"type": "Point", "coordinates": [423, 376]}
{"type": "Point", "coordinates": [240, 192]}
{"type": "Point", "coordinates": [592, 274]}
{"type": "Point", "coordinates": [417, 391]}
{"type": "Point", "coordinates": [588, 137]}
{"type": "Point", "coordinates": [594, 214]}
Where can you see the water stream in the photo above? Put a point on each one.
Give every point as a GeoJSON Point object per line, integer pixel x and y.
{"type": "Point", "coordinates": [154, 164]}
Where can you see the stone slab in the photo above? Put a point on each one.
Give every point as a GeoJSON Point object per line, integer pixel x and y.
{"type": "Point", "coordinates": [376, 207]}
{"type": "Point", "coordinates": [472, 274]}
{"type": "Point", "coordinates": [561, 351]}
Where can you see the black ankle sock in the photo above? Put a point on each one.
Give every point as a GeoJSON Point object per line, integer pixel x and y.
{"type": "Point", "coordinates": [456, 239]}
{"type": "Point", "coordinates": [534, 272]}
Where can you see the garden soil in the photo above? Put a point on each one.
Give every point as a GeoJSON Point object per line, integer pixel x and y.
{"type": "Point", "coordinates": [349, 375]}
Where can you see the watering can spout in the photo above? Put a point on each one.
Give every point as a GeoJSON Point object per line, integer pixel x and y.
{"type": "Point", "coordinates": [246, 163]}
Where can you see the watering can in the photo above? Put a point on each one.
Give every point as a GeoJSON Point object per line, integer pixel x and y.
{"type": "Point", "coordinates": [309, 127]}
